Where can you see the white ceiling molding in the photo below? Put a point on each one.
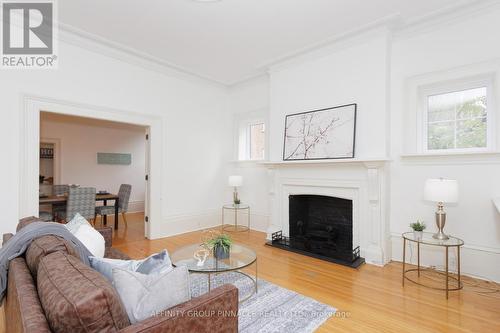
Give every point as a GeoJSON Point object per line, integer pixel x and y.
{"type": "Point", "coordinates": [388, 22]}
{"type": "Point", "coordinates": [458, 12]}
{"type": "Point", "coordinates": [94, 43]}
{"type": "Point", "coordinates": [391, 24]}
{"type": "Point", "coordinates": [325, 50]}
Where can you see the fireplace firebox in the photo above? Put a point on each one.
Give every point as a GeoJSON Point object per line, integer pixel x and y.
{"type": "Point", "coordinates": [321, 227]}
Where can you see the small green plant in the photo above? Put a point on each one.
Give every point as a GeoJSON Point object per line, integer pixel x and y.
{"type": "Point", "coordinates": [219, 241]}
{"type": "Point", "coordinates": [418, 226]}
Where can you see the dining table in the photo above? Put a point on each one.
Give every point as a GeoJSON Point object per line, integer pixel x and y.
{"type": "Point", "coordinates": [104, 197]}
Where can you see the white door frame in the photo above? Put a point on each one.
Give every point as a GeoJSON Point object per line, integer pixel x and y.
{"type": "Point", "coordinates": [30, 140]}
{"type": "Point", "coordinates": [56, 159]}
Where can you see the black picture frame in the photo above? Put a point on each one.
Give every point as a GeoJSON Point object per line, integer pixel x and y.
{"type": "Point", "coordinates": [355, 105]}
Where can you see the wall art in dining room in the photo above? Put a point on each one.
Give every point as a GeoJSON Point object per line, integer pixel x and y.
{"type": "Point", "coordinates": [320, 134]}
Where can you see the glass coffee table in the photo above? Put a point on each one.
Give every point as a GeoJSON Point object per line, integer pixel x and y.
{"type": "Point", "coordinates": [239, 257]}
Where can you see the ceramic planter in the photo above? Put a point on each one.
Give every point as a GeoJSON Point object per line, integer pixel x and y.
{"type": "Point", "coordinates": [220, 253]}
{"type": "Point", "coordinates": [418, 234]}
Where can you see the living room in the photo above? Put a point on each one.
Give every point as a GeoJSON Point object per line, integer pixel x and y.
{"type": "Point", "coordinates": [363, 117]}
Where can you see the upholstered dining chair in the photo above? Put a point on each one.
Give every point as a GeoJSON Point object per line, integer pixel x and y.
{"type": "Point", "coordinates": [80, 200]}
{"type": "Point", "coordinates": [59, 209]}
{"type": "Point", "coordinates": [60, 189]}
{"type": "Point", "coordinates": [123, 199]}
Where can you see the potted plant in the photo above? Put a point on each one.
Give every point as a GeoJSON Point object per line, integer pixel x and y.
{"type": "Point", "coordinates": [220, 245]}
{"type": "Point", "coordinates": [418, 229]}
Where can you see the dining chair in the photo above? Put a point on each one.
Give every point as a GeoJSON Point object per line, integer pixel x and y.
{"type": "Point", "coordinates": [80, 200]}
{"type": "Point", "coordinates": [59, 209]}
{"type": "Point", "coordinates": [60, 189]}
{"type": "Point", "coordinates": [123, 200]}
{"type": "Point", "coordinates": [46, 216]}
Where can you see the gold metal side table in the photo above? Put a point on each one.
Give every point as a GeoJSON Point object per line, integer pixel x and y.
{"type": "Point", "coordinates": [236, 209]}
{"type": "Point", "coordinates": [427, 239]}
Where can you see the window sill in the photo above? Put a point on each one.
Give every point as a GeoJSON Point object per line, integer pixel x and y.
{"type": "Point", "coordinates": [449, 158]}
{"type": "Point", "coordinates": [452, 153]}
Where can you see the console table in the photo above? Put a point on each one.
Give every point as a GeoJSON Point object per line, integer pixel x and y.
{"type": "Point", "coordinates": [235, 209]}
{"type": "Point", "coordinates": [427, 239]}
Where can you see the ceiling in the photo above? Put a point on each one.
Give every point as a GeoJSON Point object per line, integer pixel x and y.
{"type": "Point", "coordinates": [231, 40]}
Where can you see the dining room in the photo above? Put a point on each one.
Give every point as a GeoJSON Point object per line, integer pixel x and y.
{"type": "Point", "coordinates": [94, 168]}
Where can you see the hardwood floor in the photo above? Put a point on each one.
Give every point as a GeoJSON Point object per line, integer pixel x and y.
{"type": "Point", "coordinates": [370, 299]}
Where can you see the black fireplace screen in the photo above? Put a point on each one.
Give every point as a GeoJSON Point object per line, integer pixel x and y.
{"type": "Point", "coordinates": [321, 225]}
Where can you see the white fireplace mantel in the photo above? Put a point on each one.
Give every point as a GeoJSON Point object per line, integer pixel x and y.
{"type": "Point", "coordinates": [368, 162]}
{"type": "Point", "coordinates": [361, 180]}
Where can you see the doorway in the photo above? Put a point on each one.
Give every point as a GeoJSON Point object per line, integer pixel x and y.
{"type": "Point", "coordinates": [30, 155]}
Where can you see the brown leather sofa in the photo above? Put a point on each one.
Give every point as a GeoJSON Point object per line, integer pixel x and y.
{"type": "Point", "coordinates": [51, 290]}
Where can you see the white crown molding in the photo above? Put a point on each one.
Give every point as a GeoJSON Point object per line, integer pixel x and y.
{"type": "Point", "coordinates": [392, 24]}
{"type": "Point", "coordinates": [101, 45]}
{"type": "Point", "coordinates": [333, 44]}
{"type": "Point", "coordinates": [459, 11]}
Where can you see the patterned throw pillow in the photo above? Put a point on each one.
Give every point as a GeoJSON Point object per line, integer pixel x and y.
{"type": "Point", "coordinates": [144, 295]}
{"type": "Point", "coordinates": [155, 263]}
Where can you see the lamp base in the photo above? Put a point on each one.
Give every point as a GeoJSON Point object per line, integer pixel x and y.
{"type": "Point", "coordinates": [440, 222]}
{"type": "Point", "coordinates": [440, 235]}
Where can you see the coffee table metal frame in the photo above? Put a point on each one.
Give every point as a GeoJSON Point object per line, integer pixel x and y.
{"type": "Point", "coordinates": [215, 271]}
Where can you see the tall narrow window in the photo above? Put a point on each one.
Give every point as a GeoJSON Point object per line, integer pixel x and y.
{"type": "Point", "coordinates": [457, 120]}
{"type": "Point", "coordinates": [257, 141]}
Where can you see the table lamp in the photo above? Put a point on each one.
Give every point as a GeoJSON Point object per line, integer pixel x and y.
{"type": "Point", "coordinates": [441, 191]}
{"type": "Point", "coordinates": [235, 182]}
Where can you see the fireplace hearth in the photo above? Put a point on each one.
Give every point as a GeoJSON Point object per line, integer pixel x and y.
{"type": "Point", "coordinates": [320, 227]}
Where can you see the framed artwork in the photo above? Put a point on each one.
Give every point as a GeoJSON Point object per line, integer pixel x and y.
{"type": "Point", "coordinates": [114, 158]}
{"type": "Point", "coordinates": [321, 134]}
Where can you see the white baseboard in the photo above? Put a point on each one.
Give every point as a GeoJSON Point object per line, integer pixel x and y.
{"type": "Point", "coordinates": [478, 262]}
{"type": "Point", "coordinates": [136, 206]}
{"type": "Point", "coordinates": [184, 223]}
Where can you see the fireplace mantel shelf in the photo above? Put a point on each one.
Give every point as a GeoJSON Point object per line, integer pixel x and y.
{"type": "Point", "coordinates": [365, 161]}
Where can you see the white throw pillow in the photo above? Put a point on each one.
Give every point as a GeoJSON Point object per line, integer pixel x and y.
{"type": "Point", "coordinates": [76, 222]}
{"type": "Point", "coordinates": [92, 240]}
{"type": "Point", "coordinates": [143, 295]}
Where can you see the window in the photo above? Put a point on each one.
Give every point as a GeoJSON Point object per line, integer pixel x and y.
{"type": "Point", "coordinates": [250, 138]}
{"type": "Point", "coordinates": [458, 119]}
{"type": "Point", "coordinates": [257, 141]}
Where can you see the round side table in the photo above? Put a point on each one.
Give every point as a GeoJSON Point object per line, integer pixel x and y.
{"type": "Point", "coordinates": [235, 208]}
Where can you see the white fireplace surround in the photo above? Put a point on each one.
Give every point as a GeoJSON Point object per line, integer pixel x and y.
{"type": "Point", "coordinates": [365, 186]}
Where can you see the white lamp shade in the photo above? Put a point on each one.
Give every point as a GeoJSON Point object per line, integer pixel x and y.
{"type": "Point", "coordinates": [235, 181]}
{"type": "Point", "coordinates": [441, 190]}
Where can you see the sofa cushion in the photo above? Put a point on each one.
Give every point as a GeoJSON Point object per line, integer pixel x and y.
{"type": "Point", "coordinates": [45, 245]}
{"type": "Point", "coordinates": [76, 298]}
{"type": "Point", "coordinates": [25, 221]}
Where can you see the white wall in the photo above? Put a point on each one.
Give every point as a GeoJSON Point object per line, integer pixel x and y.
{"type": "Point", "coordinates": [250, 99]}
{"type": "Point", "coordinates": [375, 73]}
{"type": "Point", "coordinates": [192, 115]}
{"type": "Point", "coordinates": [80, 141]}
{"type": "Point", "coordinates": [351, 74]}
{"type": "Point", "coordinates": [436, 52]}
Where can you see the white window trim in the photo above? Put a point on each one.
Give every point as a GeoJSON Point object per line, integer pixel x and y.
{"type": "Point", "coordinates": [454, 86]}
{"type": "Point", "coordinates": [242, 135]}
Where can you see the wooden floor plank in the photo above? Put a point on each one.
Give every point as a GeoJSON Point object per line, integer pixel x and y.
{"type": "Point", "coordinates": [369, 299]}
